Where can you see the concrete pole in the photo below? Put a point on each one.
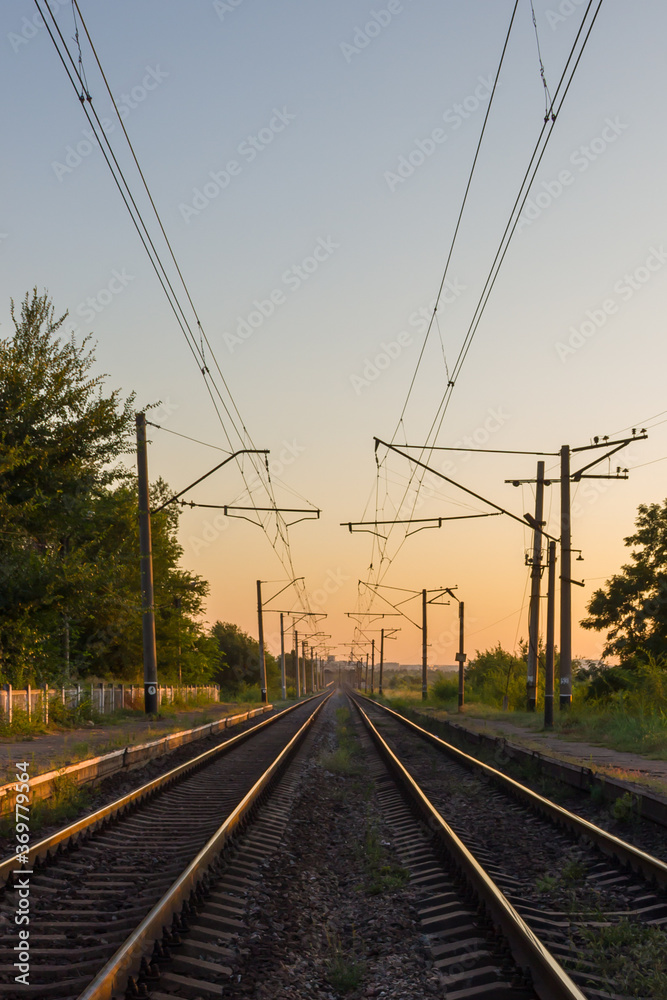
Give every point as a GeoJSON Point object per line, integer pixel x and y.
{"type": "Point", "coordinates": [535, 579]}
{"type": "Point", "coordinates": [565, 581]}
{"type": "Point", "coordinates": [461, 657]}
{"type": "Point", "coordinates": [146, 563]}
{"type": "Point", "coordinates": [297, 678]}
{"type": "Point", "coordinates": [381, 659]}
{"type": "Point", "coordinates": [549, 664]}
{"type": "Point", "coordinates": [262, 663]}
{"type": "Point", "coordinates": [303, 655]}
{"type": "Point", "coordinates": [282, 657]}
{"type": "Point", "coordinates": [372, 666]}
{"type": "Point", "coordinates": [424, 654]}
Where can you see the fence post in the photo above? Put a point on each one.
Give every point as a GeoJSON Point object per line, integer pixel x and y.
{"type": "Point", "coordinates": [10, 703]}
{"type": "Point", "coordinates": [46, 704]}
{"type": "Point", "coordinates": [28, 700]}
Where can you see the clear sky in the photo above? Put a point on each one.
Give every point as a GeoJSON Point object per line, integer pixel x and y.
{"type": "Point", "coordinates": [308, 161]}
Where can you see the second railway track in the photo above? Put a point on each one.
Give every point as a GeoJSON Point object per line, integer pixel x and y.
{"type": "Point", "coordinates": [90, 887]}
{"type": "Point", "coordinates": [572, 883]}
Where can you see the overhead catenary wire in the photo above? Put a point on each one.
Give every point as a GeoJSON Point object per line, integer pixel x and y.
{"type": "Point", "coordinates": [524, 189]}
{"type": "Point", "coordinates": [567, 75]}
{"type": "Point", "coordinates": [458, 221]}
{"type": "Point", "coordinates": [196, 348]}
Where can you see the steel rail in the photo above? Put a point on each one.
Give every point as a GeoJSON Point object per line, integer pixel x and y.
{"type": "Point", "coordinates": [96, 819]}
{"type": "Point", "coordinates": [549, 979]}
{"type": "Point", "coordinates": [128, 957]}
{"type": "Point", "coordinates": [652, 868]}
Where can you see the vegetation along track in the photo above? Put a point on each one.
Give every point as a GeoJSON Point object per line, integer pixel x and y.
{"type": "Point", "coordinates": [596, 903]}
{"type": "Point", "coordinates": [102, 885]}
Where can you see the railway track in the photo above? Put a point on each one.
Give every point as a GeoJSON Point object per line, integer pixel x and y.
{"type": "Point", "coordinates": [473, 958]}
{"type": "Point", "coordinates": [576, 887]}
{"type": "Point", "coordinates": [152, 899]}
{"type": "Point", "coordinates": [100, 890]}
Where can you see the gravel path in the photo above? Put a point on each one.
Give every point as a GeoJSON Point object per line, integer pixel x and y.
{"type": "Point", "coordinates": [52, 750]}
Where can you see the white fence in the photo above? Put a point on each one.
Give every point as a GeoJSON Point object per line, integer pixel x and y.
{"type": "Point", "coordinates": [104, 697]}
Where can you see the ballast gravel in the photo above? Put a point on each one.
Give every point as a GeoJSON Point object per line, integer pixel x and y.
{"type": "Point", "coordinates": [314, 926]}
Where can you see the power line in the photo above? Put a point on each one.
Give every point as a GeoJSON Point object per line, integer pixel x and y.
{"type": "Point", "coordinates": [205, 444]}
{"type": "Point", "coordinates": [197, 349]}
{"type": "Point", "coordinates": [458, 221]}
{"type": "Point", "coordinates": [524, 190]}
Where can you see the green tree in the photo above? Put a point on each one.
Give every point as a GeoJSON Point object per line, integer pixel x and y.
{"type": "Point", "coordinates": [69, 557]}
{"type": "Point", "coordinates": [238, 659]}
{"type": "Point", "coordinates": [496, 673]}
{"type": "Point", "coordinates": [632, 606]}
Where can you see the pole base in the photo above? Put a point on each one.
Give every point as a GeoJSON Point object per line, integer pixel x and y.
{"type": "Point", "coordinates": [151, 698]}
{"type": "Point", "coordinates": [565, 701]}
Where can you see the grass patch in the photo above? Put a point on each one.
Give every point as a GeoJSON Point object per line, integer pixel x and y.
{"type": "Point", "coordinates": [345, 970]}
{"type": "Point", "coordinates": [67, 800]}
{"type": "Point", "coordinates": [381, 871]}
{"type": "Point", "coordinates": [633, 957]}
{"type": "Point", "coordinates": [345, 759]}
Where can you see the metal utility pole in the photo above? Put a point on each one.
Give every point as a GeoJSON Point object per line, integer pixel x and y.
{"type": "Point", "coordinates": [297, 679]}
{"type": "Point", "coordinates": [312, 671]}
{"type": "Point", "coordinates": [424, 653]}
{"type": "Point", "coordinates": [549, 661]}
{"type": "Point", "coordinates": [262, 664]}
{"type": "Point", "coordinates": [282, 658]}
{"type": "Point", "coordinates": [146, 563]}
{"type": "Point", "coordinates": [565, 581]}
{"type": "Point", "coordinates": [461, 657]}
{"type": "Point", "coordinates": [305, 676]}
{"type": "Point", "coordinates": [535, 580]}
{"type": "Point", "coordinates": [372, 666]}
{"type": "Point", "coordinates": [366, 677]}
{"type": "Point", "coordinates": [381, 660]}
